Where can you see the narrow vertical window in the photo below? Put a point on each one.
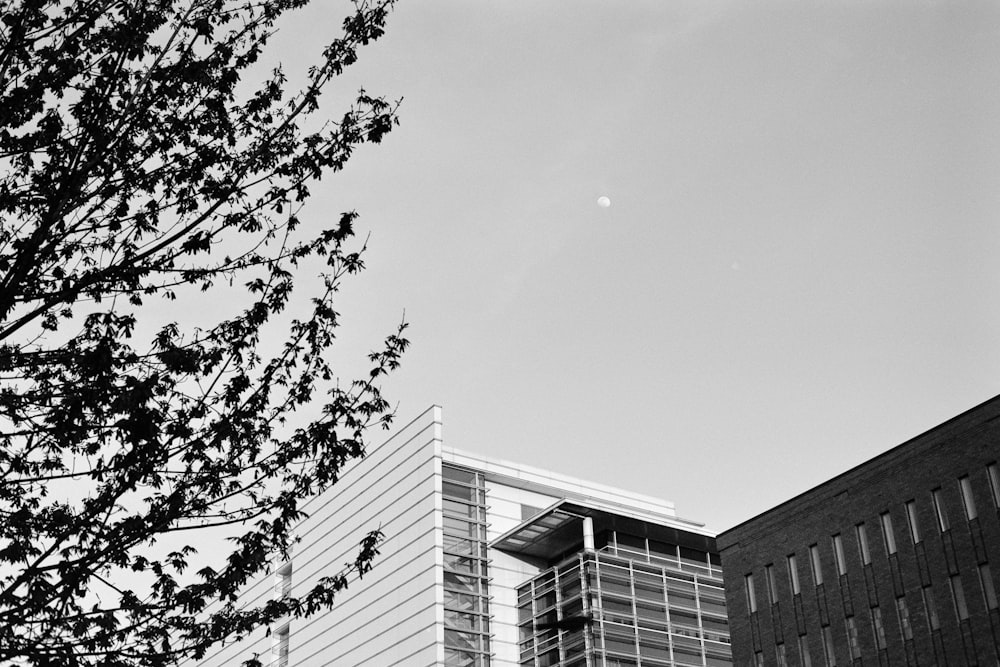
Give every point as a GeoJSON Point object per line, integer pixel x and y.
{"type": "Point", "coordinates": [852, 638]}
{"type": "Point", "coordinates": [986, 581]}
{"type": "Point", "coordinates": [780, 654]}
{"type": "Point", "coordinates": [903, 612]}
{"type": "Point", "coordinates": [759, 658]}
{"type": "Point", "coordinates": [466, 586]}
{"type": "Point", "coordinates": [877, 628]}
{"type": "Point", "coordinates": [751, 594]}
{"type": "Point", "coordinates": [911, 520]}
{"type": "Point", "coordinates": [968, 500]}
{"type": "Point", "coordinates": [279, 648]}
{"type": "Point", "coordinates": [887, 533]}
{"type": "Point", "coordinates": [772, 585]}
{"type": "Point", "coordinates": [817, 566]}
{"type": "Point", "coordinates": [793, 574]}
{"type": "Point", "coordinates": [283, 581]}
{"type": "Point", "coordinates": [958, 596]}
{"type": "Point", "coordinates": [804, 658]}
{"type": "Point", "coordinates": [994, 474]}
{"type": "Point", "coordinates": [866, 556]}
{"type": "Point", "coordinates": [930, 607]}
{"type": "Point", "coordinates": [939, 510]}
{"type": "Point", "coordinates": [838, 554]}
{"type": "Point", "coordinates": [828, 655]}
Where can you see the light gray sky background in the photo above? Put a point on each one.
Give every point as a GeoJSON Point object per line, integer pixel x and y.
{"type": "Point", "coordinates": [799, 269]}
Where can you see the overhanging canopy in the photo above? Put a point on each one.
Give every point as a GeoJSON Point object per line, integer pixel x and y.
{"type": "Point", "coordinates": [558, 529]}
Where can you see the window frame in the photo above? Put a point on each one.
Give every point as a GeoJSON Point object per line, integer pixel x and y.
{"type": "Point", "coordinates": [283, 581]}
{"type": "Point", "coordinates": [903, 615]}
{"type": "Point", "coordinates": [793, 573]}
{"type": "Point", "coordinates": [888, 533]}
{"type": "Point", "coordinates": [940, 510]}
{"type": "Point", "coordinates": [862, 534]}
{"type": "Point", "coordinates": [815, 564]}
{"type": "Point", "coordinates": [804, 656]}
{"type": "Point", "coordinates": [878, 628]}
{"type": "Point", "coordinates": [911, 520]}
{"type": "Point", "coordinates": [968, 497]}
{"type": "Point", "coordinates": [829, 655]}
{"type": "Point", "coordinates": [779, 652]}
{"type": "Point", "coordinates": [281, 646]}
{"type": "Point", "coordinates": [930, 608]}
{"type": "Point", "coordinates": [853, 640]}
{"type": "Point", "coordinates": [958, 597]}
{"type": "Point", "coordinates": [988, 587]}
{"type": "Point", "coordinates": [772, 584]}
{"type": "Point", "coordinates": [751, 592]}
{"type": "Point", "coordinates": [839, 559]}
{"type": "Point", "coordinates": [993, 474]}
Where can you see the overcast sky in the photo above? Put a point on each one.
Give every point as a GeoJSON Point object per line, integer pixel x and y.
{"type": "Point", "coordinates": [799, 268]}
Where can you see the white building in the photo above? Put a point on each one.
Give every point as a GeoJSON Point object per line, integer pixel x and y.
{"type": "Point", "coordinates": [492, 563]}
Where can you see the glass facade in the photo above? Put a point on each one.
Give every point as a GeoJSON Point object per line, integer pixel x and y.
{"type": "Point", "coordinates": [632, 603]}
{"type": "Point", "coordinates": [466, 569]}
{"type": "Point", "coordinates": [611, 589]}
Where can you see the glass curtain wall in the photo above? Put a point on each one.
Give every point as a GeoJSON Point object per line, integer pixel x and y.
{"type": "Point", "coordinates": [603, 610]}
{"type": "Point", "coordinates": [466, 582]}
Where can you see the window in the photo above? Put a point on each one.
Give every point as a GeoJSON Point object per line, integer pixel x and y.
{"type": "Point", "coordinates": [986, 581]}
{"type": "Point", "coordinates": [462, 475]}
{"type": "Point", "coordinates": [911, 519]}
{"type": "Point", "coordinates": [903, 612]}
{"type": "Point", "coordinates": [994, 474]}
{"type": "Point", "coordinates": [887, 534]}
{"type": "Point", "coordinates": [804, 658]}
{"type": "Point", "coordinates": [817, 566]}
{"type": "Point", "coordinates": [958, 596]}
{"type": "Point", "coordinates": [866, 556]}
{"type": "Point", "coordinates": [877, 629]}
{"type": "Point", "coordinates": [930, 608]}
{"type": "Point", "coordinates": [466, 601]}
{"type": "Point", "coordinates": [828, 655]}
{"type": "Point", "coordinates": [772, 585]}
{"type": "Point", "coordinates": [852, 638]}
{"type": "Point", "coordinates": [965, 486]}
{"type": "Point", "coordinates": [279, 648]}
{"type": "Point", "coordinates": [759, 659]}
{"type": "Point", "coordinates": [751, 594]}
{"type": "Point", "coordinates": [780, 652]}
{"type": "Point", "coordinates": [283, 581]}
{"type": "Point", "coordinates": [838, 554]}
{"type": "Point", "coordinates": [939, 510]}
{"type": "Point", "coordinates": [793, 574]}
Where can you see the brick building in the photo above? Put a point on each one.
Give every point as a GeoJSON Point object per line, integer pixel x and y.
{"type": "Point", "coordinates": [895, 562]}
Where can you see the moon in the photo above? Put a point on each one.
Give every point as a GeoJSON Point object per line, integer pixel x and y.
{"type": "Point", "coordinates": [603, 202]}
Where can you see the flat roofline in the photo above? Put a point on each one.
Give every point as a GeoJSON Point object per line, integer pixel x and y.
{"type": "Point", "coordinates": [558, 485]}
{"type": "Point", "coordinates": [560, 482]}
{"type": "Point", "coordinates": [933, 431]}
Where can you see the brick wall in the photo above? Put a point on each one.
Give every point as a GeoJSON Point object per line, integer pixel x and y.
{"type": "Point", "coordinates": [871, 593]}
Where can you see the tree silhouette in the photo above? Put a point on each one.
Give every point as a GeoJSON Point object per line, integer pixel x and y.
{"type": "Point", "coordinates": [145, 159]}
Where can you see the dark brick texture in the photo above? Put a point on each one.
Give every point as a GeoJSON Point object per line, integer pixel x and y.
{"type": "Point", "coordinates": [894, 587]}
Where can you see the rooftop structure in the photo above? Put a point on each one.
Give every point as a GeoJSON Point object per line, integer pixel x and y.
{"type": "Point", "coordinates": [490, 563]}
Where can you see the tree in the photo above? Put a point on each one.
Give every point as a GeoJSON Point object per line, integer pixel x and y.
{"type": "Point", "coordinates": [144, 160]}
